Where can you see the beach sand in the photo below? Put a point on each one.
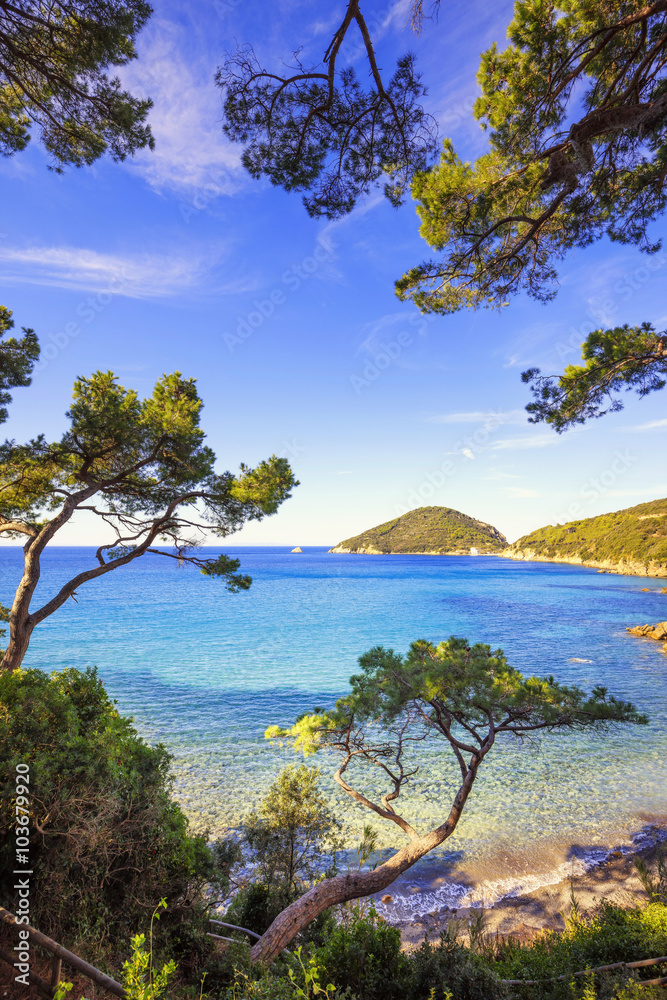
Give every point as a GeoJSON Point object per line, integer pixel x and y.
{"type": "Point", "coordinates": [546, 908]}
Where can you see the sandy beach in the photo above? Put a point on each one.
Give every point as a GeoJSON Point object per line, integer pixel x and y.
{"type": "Point", "coordinates": [546, 908]}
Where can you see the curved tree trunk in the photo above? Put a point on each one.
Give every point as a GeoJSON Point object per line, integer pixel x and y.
{"type": "Point", "coordinates": [17, 647]}
{"type": "Point", "coordinates": [20, 626]}
{"type": "Point", "coordinates": [354, 885]}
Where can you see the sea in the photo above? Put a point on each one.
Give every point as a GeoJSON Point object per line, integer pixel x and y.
{"type": "Point", "coordinates": [205, 672]}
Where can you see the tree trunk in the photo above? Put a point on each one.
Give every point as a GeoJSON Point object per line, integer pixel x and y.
{"type": "Point", "coordinates": [20, 626]}
{"type": "Point", "coordinates": [17, 648]}
{"type": "Point", "coordinates": [354, 885]}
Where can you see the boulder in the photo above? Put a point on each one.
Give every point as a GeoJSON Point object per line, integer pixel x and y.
{"type": "Point", "coordinates": [658, 631]}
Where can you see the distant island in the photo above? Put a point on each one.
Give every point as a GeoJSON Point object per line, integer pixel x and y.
{"type": "Point", "coordinates": [436, 531]}
{"type": "Point", "coordinates": [632, 541]}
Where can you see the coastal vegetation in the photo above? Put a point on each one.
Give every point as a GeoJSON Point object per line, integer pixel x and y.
{"type": "Point", "coordinates": [107, 840]}
{"type": "Point", "coordinates": [142, 470]}
{"type": "Point", "coordinates": [575, 111]}
{"type": "Point", "coordinates": [461, 698]}
{"type": "Point", "coordinates": [633, 540]}
{"type": "Point", "coordinates": [433, 530]}
{"type": "Point", "coordinates": [109, 846]}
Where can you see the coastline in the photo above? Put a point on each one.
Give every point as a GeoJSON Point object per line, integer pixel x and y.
{"type": "Point", "coordinates": [545, 908]}
{"type": "Point", "coordinates": [650, 571]}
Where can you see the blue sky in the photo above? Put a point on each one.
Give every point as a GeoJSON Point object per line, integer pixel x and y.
{"type": "Point", "coordinates": [178, 260]}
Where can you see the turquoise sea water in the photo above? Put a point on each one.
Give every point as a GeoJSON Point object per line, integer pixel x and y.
{"type": "Point", "coordinates": [205, 672]}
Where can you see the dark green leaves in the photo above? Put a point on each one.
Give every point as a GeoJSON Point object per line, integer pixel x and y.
{"type": "Point", "coordinates": [17, 359]}
{"type": "Point", "coordinates": [318, 129]}
{"type": "Point", "coordinates": [623, 358]}
{"type": "Point", "coordinates": [576, 112]}
{"type": "Point", "coordinates": [52, 75]}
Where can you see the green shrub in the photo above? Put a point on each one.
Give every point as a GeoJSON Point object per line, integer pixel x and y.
{"type": "Point", "coordinates": [107, 842]}
{"type": "Point", "coordinates": [362, 953]}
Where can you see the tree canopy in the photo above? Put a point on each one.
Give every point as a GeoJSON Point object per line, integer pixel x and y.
{"type": "Point", "coordinates": [318, 129]}
{"type": "Point", "coordinates": [17, 359]}
{"type": "Point", "coordinates": [461, 697]}
{"type": "Point", "coordinates": [576, 113]}
{"type": "Point", "coordinates": [622, 358]}
{"type": "Point", "coordinates": [142, 468]}
{"type": "Point", "coordinates": [53, 59]}
{"type": "Point", "coordinates": [575, 110]}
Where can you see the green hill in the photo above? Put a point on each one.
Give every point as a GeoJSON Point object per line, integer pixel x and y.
{"type": "Point", "coordinates": [428, 531]}
{"type": "Point", "coordinates": [628, 541]}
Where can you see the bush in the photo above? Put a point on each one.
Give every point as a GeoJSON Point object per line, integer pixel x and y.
{"type": "Point", "coordinates": [363, 954]}
{"type": "Point", "coordinates": [611, 935]}
{"type": "Point", "coordinates": [107, 842]}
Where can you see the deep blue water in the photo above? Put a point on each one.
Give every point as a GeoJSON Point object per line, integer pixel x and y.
{"type": "Point", "coordinates": [205, 672]}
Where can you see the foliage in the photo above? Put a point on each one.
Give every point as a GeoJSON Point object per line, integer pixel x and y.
{"type": "Point", "coordinates": [293, 831]}
{"type": "Point", "coordinates": [622, 358]}
{"type": "Point", "coordinates": [636, 535]}
{"type": "Point", "coordinates": [460, 697]}
{"type": "Point", "coordinates": [290, 841]}
{"type": "Point", "coordinates": [141, 467]}
{"type": "Point", "coordinates": [428, 529]}
{"type": "Point", "coordinates": [655, 884]}
{"type": "Point", "coordinates": [363, 954]}
{"type": "Point", "coordinates": [17, 359]}
{"type": "Point", "coordinates": [612, 934]}
{"type": "Point", "coordinates": [316, 127]}
{"type": "Point", "coordinates": [107, 840]}
{"type": "Point", "coordinates": [575, 109]}
{"type": "Point", "coordinates": [140, 980]}
{"type": "Point", "coordinates": [52, 76]}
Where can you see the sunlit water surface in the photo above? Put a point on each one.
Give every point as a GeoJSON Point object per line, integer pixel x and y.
{"type": "Point", "coordinates": [205, 672]}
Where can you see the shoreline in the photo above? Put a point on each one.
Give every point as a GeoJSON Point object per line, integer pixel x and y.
{"type": "Point", "coordinates": [545, 908]}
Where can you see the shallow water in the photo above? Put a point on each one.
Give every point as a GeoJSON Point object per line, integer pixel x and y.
{"type": "Point", "coordinates": [205, 672]}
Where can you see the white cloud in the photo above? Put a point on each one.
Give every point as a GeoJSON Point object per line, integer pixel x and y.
{"type": "Point", "coordinates": [525, 443]}
{"type": "Point", "coordinates": [192, 157]}
{"type": "Point", "coordinates": [478, 417]}
{"type": "Point", "coordinates": [519, 492]}
{"type": "Point", "coordinates": [652, 425]}
{"type": "Point", "coordinates": [468, 453]}
{"type": "Point", "coordinates": [650, 492]}
{"type": "Point", "coordinates": [139, 276]}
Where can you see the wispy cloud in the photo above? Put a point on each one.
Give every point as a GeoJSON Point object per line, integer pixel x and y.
{"type": "Point", "coordinates": [525, 443]}
{"type": "Point", "coordinates": [650, 492]}
{"type": "Point", "coordinates": [519, 492]}
{"type": "Point", "coordinates": [191, 153]}
{"type": "Point", "coordinates": [652, 425]}
{"type": "Point", "coordinates": [496, 476]}
{"type": "Point", "coordinates": [140, 276]}
{"type": "Point", "coordinates": [478, 417]}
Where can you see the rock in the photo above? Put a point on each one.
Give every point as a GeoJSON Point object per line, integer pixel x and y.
{"type": "Point", "coordinates": [658, 631]}
{"type": "Point", "coordinates": [616, 854]}
{"type": "Point", "coordinates": [664, 590]}
{"type": "Point", "coordinates": [297, 549]}
{"type": "Point", "coordinates": [387, 899]}
{"type": "Point", "coordinates": [645, 590]}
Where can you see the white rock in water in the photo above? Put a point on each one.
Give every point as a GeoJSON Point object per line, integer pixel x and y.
{"type": "Point", "coordinates": [297, 549]}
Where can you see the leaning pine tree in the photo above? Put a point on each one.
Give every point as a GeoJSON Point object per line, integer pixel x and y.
{"type": "Point", "coordinates": [142, 470]}
{"type": "Point", "coordinates": [465, 698]}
